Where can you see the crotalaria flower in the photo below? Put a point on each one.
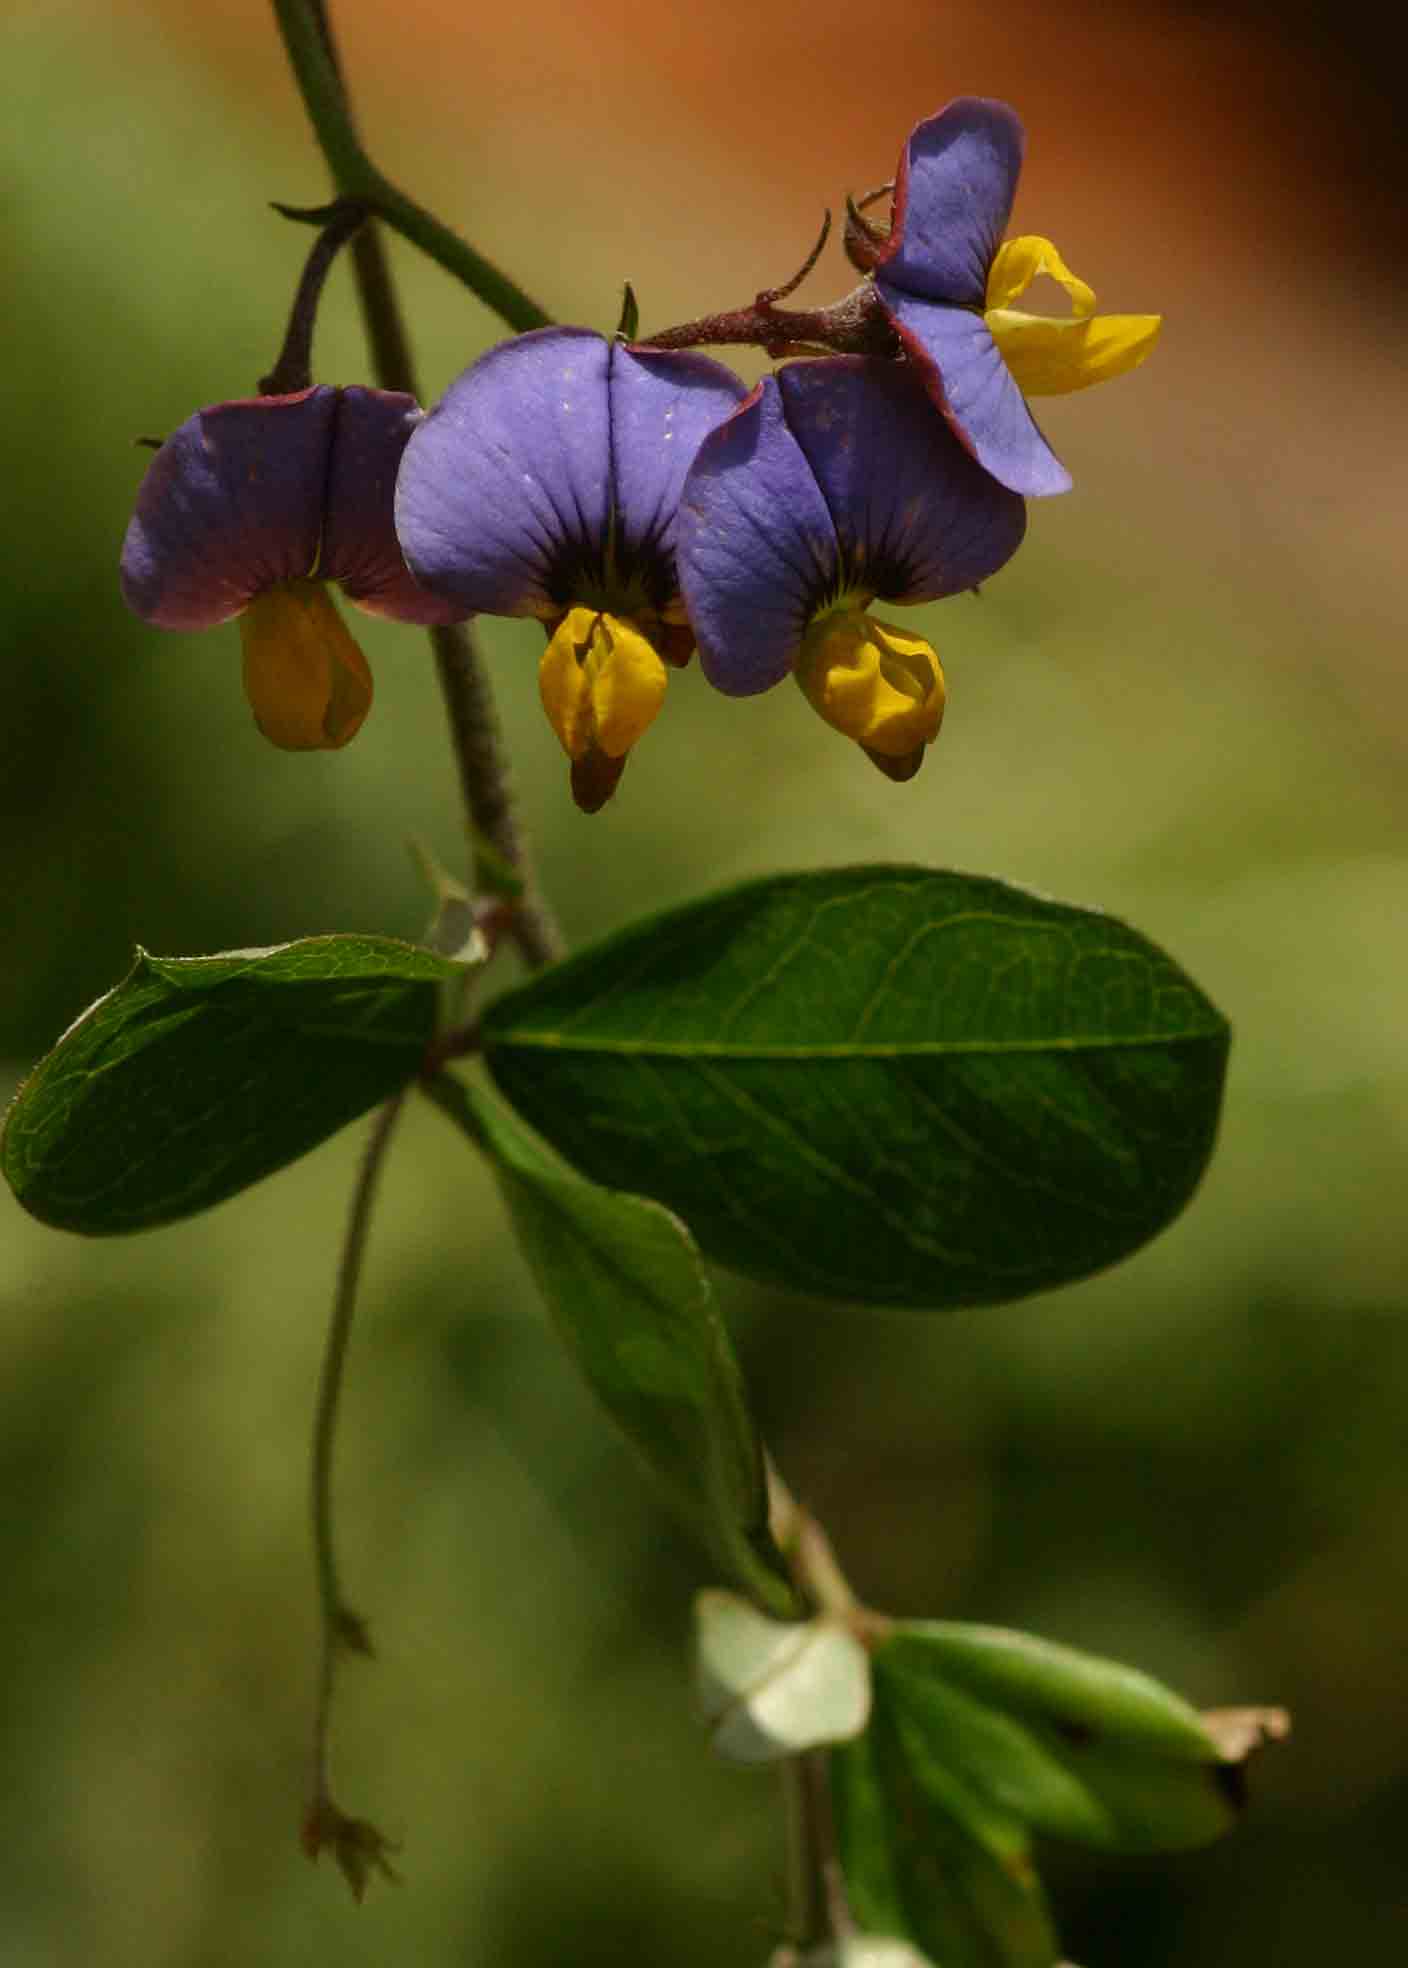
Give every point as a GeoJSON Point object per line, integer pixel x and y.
{"type": "Point", "coordinates": [545, 483]}
{"type": "Point", "coordinates": [948, 285]}
{"type": "Point", "coordinates": [248, 510]}
{"type": "Point", "coordinates": [834, 485]}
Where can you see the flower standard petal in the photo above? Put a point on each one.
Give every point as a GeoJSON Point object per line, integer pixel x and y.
{"type": "Point", "coordinates": [917, 518]}
{"type": "Point", "coordinates": [756, 547]}
{"type": "Point", "coordinates": [953, 198]}
{"type": "Point", "coordinates": [663, 406]}
{"type": "Point", "coordinates": [231, 504]}
{"type": "Point", "coordinates": [359, 545]}
{"type": "Point", "coordinates": [505, 487]}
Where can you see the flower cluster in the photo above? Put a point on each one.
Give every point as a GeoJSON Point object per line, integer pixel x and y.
{"type": "Point", "coordinates": [638, 501]}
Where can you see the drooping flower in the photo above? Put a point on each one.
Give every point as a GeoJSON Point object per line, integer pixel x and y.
{"type": "Point", "coordinates": [545, 483]}
{"type": "Point", "coordinates": [833, 486]}
{"type": "Point", "coordinates": [248, 510]}
{"type": "Point", "coordinates": [949, 284]}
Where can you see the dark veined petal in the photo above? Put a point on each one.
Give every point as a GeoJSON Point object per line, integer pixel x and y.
{"type": "Point", "coordinates": [953, 199]}
{"type": "Point", "coordinates": [963, 370]}
{"type": "Point", "coordinates": [663, 406]}
{"type": "Point", "coordinates": [917, 517]}
{"type": "Point", "coordinates": [231, 503]}
{"type": "Point", "coordinates": [505, 484]}
{"type": "Point", "coordinates": [359, 545]}
{"type": "Point", "coordinates": [755, 546]}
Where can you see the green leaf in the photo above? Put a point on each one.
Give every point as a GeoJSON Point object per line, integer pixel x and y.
{"type": "Point", "coordinates": [1073, 1746]}
{"type": "Point", "coordinates": [927, 1860]}
{"type": "Point", "coordinates": [197, 1076]}
{"type": "Point", "coordinates": [980, 1737]}
{"type": "Point", "coordinates": [883, 1083]}
{"type": "Point", "coordinates": [635, 1309]}
{"type": "Point", "coordinates": [772, 1688]}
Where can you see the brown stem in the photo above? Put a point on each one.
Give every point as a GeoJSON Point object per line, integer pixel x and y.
{"type": "Point", "coordinates": [468, 699]}
{"type": "Point", "coordinates": [340, 1628]}
{"type": "Point", "coordinates": [854, 325]}
{"type": "Point", "coordinates": [293, 371]}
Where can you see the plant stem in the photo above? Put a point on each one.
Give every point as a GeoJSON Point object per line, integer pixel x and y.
{"type": "Point", "coordinates": [293, 370]}
{"type": "Point", "coordinates": [817, 1909]}
{"type": "Point", "coordinates": [340, 1627]}
{"type": "Point", "coordinates": [469, 704]}
{"type": "Point", "coordinates": [303, 25]}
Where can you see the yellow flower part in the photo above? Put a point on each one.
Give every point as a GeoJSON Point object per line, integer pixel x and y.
{"type": "Point", "coordinates": [877, 684]}
{"type": "Point", "coordinates": [602, 683]}
{"type": "Point", "coordinates": [1049, 357]}
{"type": "Point", "coordinates": [306, 680]}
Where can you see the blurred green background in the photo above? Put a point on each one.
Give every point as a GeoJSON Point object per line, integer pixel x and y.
{"type": "Point", "coordinates": [1184, 702]}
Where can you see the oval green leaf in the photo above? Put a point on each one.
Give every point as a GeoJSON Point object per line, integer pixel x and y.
{"type": "Point", "coordinates": [633, 1304]}
{"type": "Point", "coordinates": [197, 1076]}
{"type": "Point", "coordinates": [1074, 1746]}
{"type": "Point", "coordinates": [885, 1083]}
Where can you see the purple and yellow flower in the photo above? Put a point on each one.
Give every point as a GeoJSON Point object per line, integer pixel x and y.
{"type": "Point", "coordinates": [834, 486]}
{"type": "Point", "coordinates": [949, 284]}
{"type": "Point", "coordinates": [248, 510]}
{"type": "Point", "coordinates": [545, 483]}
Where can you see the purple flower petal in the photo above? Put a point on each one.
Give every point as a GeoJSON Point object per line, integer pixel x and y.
{"type": "Point", "coordinates": [550, 457]}
{"type": "Point", "coordinates": [755, 546]}
{"type": "Point", "coordinates": [916, 516]}
{"type": "Point", "coordinates": [953, 199]}
{"type": "Point", "coordinates": [359, 544]}
{"type": "Point", "coordinates": [231, 503]}
{"type": "Point", "coordinates": [505, 486]}
{"type": "Point", "coordinates": [663, 406]}
{"type": "Point", "coordinates": [963, 370]}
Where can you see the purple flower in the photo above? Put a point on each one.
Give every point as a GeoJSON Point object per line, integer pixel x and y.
{"type": "Point", "coordinates": [545, 483]}
{"type": "Point", "coordinates": [247, 510]}
{"type": "Point", "coordinates": [948, 283]}
{"type": "Point", "coordinates": [834, 485]}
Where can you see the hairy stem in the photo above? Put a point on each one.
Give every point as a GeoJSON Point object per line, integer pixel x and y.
{"type": "Point", "coordinates": [303, 25]}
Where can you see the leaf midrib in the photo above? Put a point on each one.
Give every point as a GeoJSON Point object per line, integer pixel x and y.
{"type": "Point", "coordinates": [691, 1049]}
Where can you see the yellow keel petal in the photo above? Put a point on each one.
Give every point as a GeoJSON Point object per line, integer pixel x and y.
{"type": "Point", "coordinates": [602, 683]}
{"type": "Point", "coordinates": [877, 684]}
{"type": "Point", "coordinates": [1052, 358]}
{"type": "Point", "coordinates": [306, 680]}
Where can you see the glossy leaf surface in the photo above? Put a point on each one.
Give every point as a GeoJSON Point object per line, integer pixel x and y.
{"type": "Point", "coordinates": [883, 1083]}
{"type": "Point", "coordinates": [197, 1076]}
